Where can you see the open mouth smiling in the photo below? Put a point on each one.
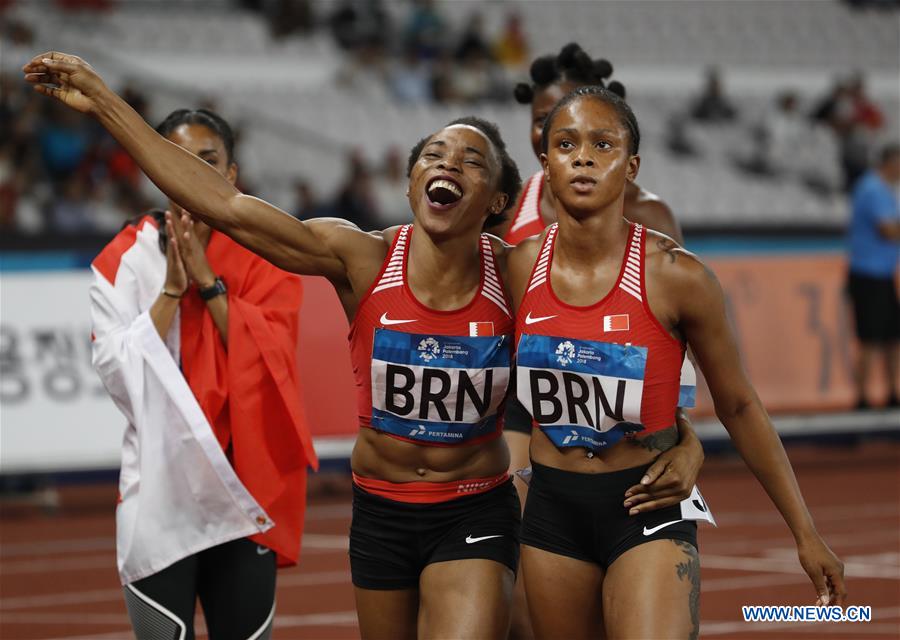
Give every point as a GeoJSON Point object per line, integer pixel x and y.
{"type": "Point", "coordinates": [443, 192]}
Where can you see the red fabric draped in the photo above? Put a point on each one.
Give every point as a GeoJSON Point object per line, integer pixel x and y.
{"type": "Point", "coordinates": [250, 393]}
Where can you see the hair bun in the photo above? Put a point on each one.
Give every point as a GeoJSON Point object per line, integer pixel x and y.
{"type": "Point", "coordinates": [523, 93]}
{"type": "Point", "coordinates": [603, 67]}
{"type": "Point", "coordinates": [617, 88]}
{"type": "Point", "coordinates": [543, 70]}
{"type": "Point", "coordinates": [568, 55]}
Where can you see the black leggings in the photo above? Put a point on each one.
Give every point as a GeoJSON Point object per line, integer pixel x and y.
{"type": "Point", "coordinates": [235, 582]}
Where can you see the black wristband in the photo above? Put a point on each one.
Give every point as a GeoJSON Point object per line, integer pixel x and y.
{"type": "Point", "coordinates": [171, 295]}
{"type": "Point", "coordinates": [217, 289]}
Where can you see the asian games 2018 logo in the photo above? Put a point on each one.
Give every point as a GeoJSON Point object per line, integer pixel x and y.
{"type": "Point", "coordinates": [429, 349]}
{"type": "Point", "coordinates": [565, 353]}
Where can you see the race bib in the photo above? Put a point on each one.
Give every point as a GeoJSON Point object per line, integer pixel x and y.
{"type": "Point", "coordinates": [582, 393]}
{"type": "Point", "coordinates": [440, 389]}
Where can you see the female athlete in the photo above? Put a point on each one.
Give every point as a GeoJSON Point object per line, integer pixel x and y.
{"type": "Point", "coordinates": [606, 309]}
{"type": "Point", "coordinates": [552, 78]}
{"type": "Point", "coordinates": [194, 337]}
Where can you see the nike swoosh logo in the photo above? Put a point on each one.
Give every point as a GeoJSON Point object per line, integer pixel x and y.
{"type": "Point", "coordinates": [260, 550]}
{"type": "Point", "coordinates": [387, 321]}
{"type": "Point", "coordinates": [470, 539]}
{"type": "Point", "coordinates": [530, 320]}
{"type": "Point", "coordinates": [650, 532]}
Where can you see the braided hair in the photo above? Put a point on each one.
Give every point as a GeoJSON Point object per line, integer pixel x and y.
{"type": "Point", "coordinates": [572, 64]}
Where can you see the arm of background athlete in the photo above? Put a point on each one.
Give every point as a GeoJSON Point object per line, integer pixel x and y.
{"type": "Point", "coordinates": [192, 183]}
{"type": "Point", "coordinates": [702, 318]}
{"type": "Point", "coordinates": [672, 476]}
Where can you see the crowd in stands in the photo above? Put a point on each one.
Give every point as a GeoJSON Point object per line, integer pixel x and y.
{"type": "Point", "coordinates": [61, 174]}
{"type": "Point", "coordinates": [775, 140]}
{"type": "Point", "coordinates": [424, 60]}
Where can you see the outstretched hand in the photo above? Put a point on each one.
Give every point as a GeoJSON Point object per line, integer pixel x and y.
{"type": "Point", "coordinates": [67, 78]}
{"type": "Point", "coordinates": [825, 570]}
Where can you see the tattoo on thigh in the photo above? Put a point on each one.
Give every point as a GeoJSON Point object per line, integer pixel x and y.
{"type": "Point", "coordinates": [689, 570]}
{"type": "Point", "coordinates": [660, 441]}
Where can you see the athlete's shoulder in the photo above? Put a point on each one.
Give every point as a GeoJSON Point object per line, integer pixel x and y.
{"type": "Point", "coordinates": [387, 235]}
{"type": "Point", "coordinates": [675, 266]}
{"type": "Point", "coordinates": [648, 209]}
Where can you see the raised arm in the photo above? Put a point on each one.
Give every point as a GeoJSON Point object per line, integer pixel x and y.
{"type": "Point", "coordinates": [701, 310]}
{"type": "Point", "coordinates": [295, 246]}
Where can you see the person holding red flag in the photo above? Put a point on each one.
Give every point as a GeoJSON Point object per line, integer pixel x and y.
{"type": "Point", "coordinates": [195, 339]}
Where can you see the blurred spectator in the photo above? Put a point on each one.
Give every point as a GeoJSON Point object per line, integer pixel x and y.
{"type": "Point", "coordinates": [874, 238]}
{"type": "Point", "coordinates": [874, 4]}
{"type": "Point", "coordinates": [712, 105]}
{"type": "Point", "coordinates": [477, 78]}
{"type": "Point", "coordinates": [777, 139]}
{"type": "Point", "coordinates": [426, 30]}
{"type": "Point", "coordinates": [359, 24]}
{"type": "Point", "coordinates": [85, 5]}
{"type": "Point", "coordinates": [287, 17]}
{"type": "Point", "coordinates": [305, 205]}
{"type": "Point", "coordinates": [70, 213]}
{"type": "Point", "coordinates": [355, 200]}
{"type": "Point", "coordinates": [864, 111]}
{"type": "Point", "coordinates": [410, 80]}
{"type": "Point", "coordinates": [511, 48]}
{"type": "Point", "coordinates": [678, 140]}
{"type": "Point", "coordinates": [443, 70]}
{"type": "Point", "coordinates": [854, 118]}
{"type": "Point", "coordinates": [63, 141]}
{"type": "Point", "coordinates": [472, 40]}
{"type": "Point", "coordinates": [389, 190]}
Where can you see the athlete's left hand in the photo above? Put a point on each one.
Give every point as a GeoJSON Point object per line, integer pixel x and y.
{"type": "Point", "coordinates": [193, 254]}
{"type": "Point", "coordinates": [824, 569]}
{"type": "Point", "coordinates": [669, 480]}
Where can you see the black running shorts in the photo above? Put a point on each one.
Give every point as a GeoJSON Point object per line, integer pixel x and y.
{"type": "Point", "coordinates": [581, 515]}
{"type": "Point", "coordinates": [392, 542]}
{"type": "Point", "coordinates": [875, 308]}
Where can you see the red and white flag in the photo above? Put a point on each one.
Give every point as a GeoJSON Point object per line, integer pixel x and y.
{"type": "Point", "coordinates": [481, 328]}
{"type": "Point", "coordinates": [616, 323]}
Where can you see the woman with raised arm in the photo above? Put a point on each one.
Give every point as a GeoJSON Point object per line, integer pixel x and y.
{"type": "Point", "coordinates": [606, 309]}
{"type": "Point", "coordinates": [434, 537]}
{"type": "Point", "coordinates": [195, 339]}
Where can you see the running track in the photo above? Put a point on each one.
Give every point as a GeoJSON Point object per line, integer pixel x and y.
{"type": "Point", "coordinates": [58, 580]}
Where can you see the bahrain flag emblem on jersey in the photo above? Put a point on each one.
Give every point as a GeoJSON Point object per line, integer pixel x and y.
{"type": "Point", "coordinates": [616, 323]}
{"type": "Point", "coordinates": [481, 328]}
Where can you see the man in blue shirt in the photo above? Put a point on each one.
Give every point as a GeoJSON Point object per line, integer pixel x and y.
{"type": "Point", "coordinates": [874, 237]}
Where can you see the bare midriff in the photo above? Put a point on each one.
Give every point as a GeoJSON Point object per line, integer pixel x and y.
{"type": "Point", "coordinates": [378, 455]}
{"type": "Point", "coordinates": [625, 454]}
